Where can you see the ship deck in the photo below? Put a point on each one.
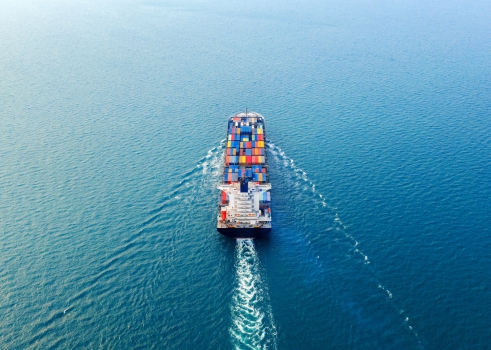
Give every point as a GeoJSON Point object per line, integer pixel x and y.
{"type": "Point", "coordinates": [245, 199]}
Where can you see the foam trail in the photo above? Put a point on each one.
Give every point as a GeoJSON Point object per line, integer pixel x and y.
{"type": "Point", "coordinates": [288, 162]}
{"type": "Point", "coordinates": [252, 322]}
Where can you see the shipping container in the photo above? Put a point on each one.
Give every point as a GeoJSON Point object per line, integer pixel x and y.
{"type": "Point", "coordinates": [258, 151]}
{"type": "Point", "coordinates": [259, 177]}
{"type": "Point", "coordinates": [231, 177]}
{"type": "Point", "coordinates": [231, 160]}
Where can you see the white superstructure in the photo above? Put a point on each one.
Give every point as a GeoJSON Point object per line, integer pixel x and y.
{"type": "Point", "coordinates": [245, 209]}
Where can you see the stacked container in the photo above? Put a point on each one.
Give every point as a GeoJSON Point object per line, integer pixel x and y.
{"type": "Point", "coordinates": [245, 148]}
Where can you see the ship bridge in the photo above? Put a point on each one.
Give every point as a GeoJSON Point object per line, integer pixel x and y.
{"type": "Point", "coordinates": [245, 206]}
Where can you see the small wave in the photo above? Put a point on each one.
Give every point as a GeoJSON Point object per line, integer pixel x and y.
{"type": "Point", "coordinates": [281, 158]}
{"type": "Point", "coordinates": [288, 162]}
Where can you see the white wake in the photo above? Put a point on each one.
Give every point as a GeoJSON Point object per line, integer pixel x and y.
{"type": "Point", "coordinates": [252, 322]}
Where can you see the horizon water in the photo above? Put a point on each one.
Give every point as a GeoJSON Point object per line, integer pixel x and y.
{"type": "Point", "coordinates": [112, 124]}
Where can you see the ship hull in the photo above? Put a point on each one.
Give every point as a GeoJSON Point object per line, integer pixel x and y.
{"type": "Point", "coordinates": [245, 232]}
{"type": "Point", "coordinates": [244, 202]}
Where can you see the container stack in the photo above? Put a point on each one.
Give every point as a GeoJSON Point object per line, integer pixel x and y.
{"type": "Point", "coordinates": [230, 177]}
{"type": "Point", "coordinates": [245, 147]}
{"type": "Point", "coordinates": [259, 177]}
{"type": "Point", "coordinates": [264, 197]}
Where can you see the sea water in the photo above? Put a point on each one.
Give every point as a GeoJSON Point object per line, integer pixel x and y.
{"type": "Point", "coordinates": [112, 125]}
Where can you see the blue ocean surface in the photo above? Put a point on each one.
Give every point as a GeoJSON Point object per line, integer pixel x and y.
{"type": "Point", "coordinates": [112, 125]}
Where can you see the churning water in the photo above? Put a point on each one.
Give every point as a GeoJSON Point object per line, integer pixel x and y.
{"type": "Point", "coordinates": [252, 320]}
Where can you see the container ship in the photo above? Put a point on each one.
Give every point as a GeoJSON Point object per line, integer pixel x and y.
{"type": "Point", "coordinates": [245, 198]}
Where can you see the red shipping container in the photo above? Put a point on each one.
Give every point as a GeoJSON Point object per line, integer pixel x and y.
{"type": "Point", "coordinates": [249, 144]}
{"type": "Point", "coordinates": [249, 159]}
{"type": "Point", "coordinates": [224, 215]}
{"type": "Point", "coordinates": [224, 196]}
{"type": "Point", "coordinates": [260, 137]}
{"type": "Point", "coordinates": [254, 159]}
